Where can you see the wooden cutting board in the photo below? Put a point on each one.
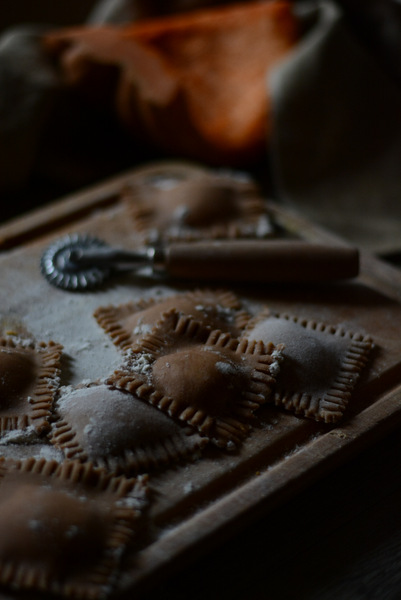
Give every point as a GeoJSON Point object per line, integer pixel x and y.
{"type": "Point", "coordinates": [203, 502]}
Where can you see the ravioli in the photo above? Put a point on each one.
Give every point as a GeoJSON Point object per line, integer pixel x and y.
{"type": "Point", "coordinates": [321, 366]}
{"type": "Point", "coordinates": [65, 526]}
{"type": "Point", "coordinates": [197, 209]}
{"type": "Point", "coordinates": [29, 378]}
{"type": "Point", "coordinates": [127, 323]}
{"type": "Point", "coordinates": [120, 432]}
{"type": "Point", "coordinates": [204, 377]}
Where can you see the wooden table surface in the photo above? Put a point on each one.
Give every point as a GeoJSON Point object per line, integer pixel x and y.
{"type": "Point", "coordinates": [337, 538]}
{"type": "Point", "coordinates": [340, 539]}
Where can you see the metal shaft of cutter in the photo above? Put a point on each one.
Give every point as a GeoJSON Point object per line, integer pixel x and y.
{"type": "Point", "coordinates": [113, 257]}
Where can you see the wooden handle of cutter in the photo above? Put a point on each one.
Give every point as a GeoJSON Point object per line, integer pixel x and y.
{"type": "Point", "coordinates": [261, 261]}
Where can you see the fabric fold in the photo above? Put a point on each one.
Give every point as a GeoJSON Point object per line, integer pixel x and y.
{"type": "Point", "coordinates": [336, 139]}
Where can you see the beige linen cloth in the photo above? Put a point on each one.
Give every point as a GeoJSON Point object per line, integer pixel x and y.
{"type": "Point", "coordinates": [336, 145]}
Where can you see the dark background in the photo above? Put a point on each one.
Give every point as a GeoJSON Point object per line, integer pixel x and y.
{"type": "Point", "coordinates": [55, 12]}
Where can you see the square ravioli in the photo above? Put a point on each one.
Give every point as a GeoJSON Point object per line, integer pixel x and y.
{"type": "Point", "coordinates": [127, 323]}
{"type": "Point", "coordinates": [321, 363]}
{"type": "Point", "coordinates": [201, 376]}
{"type": "Point", "coordinates": [64, 527]}
{"type": "Point", "coordinates": [29, 378]}
{"type": "Point", "coordinates": [119, 431]}
{"type": "Point", "coordinates": [206, 206]}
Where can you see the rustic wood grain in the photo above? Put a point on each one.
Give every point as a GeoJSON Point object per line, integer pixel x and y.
{"type": "Point", "coordinates": [319, 522]}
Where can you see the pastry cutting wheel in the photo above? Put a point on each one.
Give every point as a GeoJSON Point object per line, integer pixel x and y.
{"type": "Point", "coordinates": [60, 268]}
{"type": "Point", "coordinates": [80, 262]}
